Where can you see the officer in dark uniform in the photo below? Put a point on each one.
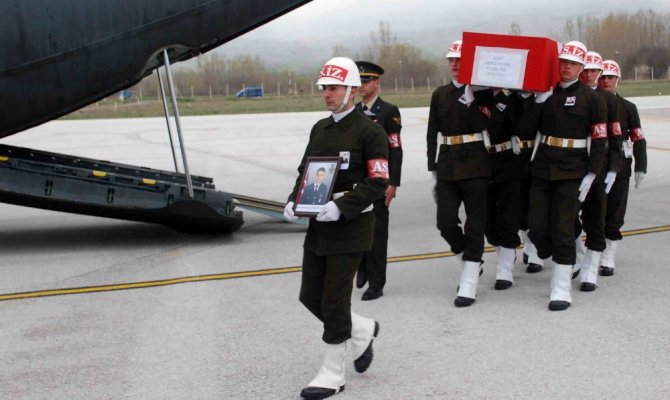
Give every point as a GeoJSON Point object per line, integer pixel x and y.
{"type": "Point", "coordinates": [373, 266]}
{"type": "Point", "coordinates": [461, 172]}
{"type": "Point", "coordinates": [568, 154]}
{"type": "Point", "coordinates": [339, 235]}
{"type": "Point", "coordinates": [317, 191]}
{"type": "Point", "coordinates": [633, 145]}
{"type": "Point", "coordinates": [595, 205]}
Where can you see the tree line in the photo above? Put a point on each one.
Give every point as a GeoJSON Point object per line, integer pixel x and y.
{"type": "Point", "coordinates": [639, 42]}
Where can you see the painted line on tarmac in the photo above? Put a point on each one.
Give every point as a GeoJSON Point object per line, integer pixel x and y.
{"type": "Point", "coordinates": [245, 274]}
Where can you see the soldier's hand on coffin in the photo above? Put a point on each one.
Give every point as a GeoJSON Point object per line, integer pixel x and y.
{"type": "Point", "coordinates": [639, 176]}
{"type": "Point", "coordinates": [469, 95]}
{"type": "Point", "coordinates": [288, 212]}
{"type": "Point", "coordinates": [584, 187]}
{"type": "Point", "coordinates": [329, 213]}
{"type": "Point", "coordinates": [609, 180]}
{"type": "Point", "coordinates": [541, 97]}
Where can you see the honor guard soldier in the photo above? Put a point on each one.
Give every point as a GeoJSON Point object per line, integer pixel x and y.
{"type": "Point", "coordinates": [504, 189]}
{"type": "Point", "coordinates": [343, 230]}
{"type": "Point", "coordinates": [595, 204]}
{"type": "Point", "coordinates": [525, 131]}
{"type": "Point", "coordinates": [373, 265]}
{"type": "Point", "coordinates": [634, 146]}
{"type": "Point", "coordinates": [569, 151]}
{"type": "Point", "coordinates": [459, 162]}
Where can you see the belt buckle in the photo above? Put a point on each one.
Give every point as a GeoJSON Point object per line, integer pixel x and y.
{"type": "Point", "coordinates": [571, 143]}
{"type": "Point", "coordinates": [554, 141]}
{"type": "Point", "coordinates": [456, 139]}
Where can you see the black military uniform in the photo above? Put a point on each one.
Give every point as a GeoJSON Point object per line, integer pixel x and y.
{"type": "Point", "coordinates": [526, 131]}
{"type": "Point", "coordinates": [595, 204]}
{"type": "Point", "coordinates": [333, 250]}
{"type": "Point", "coordinates": [373, 265]}
{"type": "Point", "coordinates": [504, 189]}
{"type": "Point", "coordinates": [634, 145]}
{"type": "Point", "coordinates": [462, 171]}
{"type": "Point", "coordinates": [568, 117]}
{"type": "Point", "coordinates": [575, 112]}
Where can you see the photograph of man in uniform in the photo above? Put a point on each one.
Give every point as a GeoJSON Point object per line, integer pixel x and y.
{"type": "Point", "coordinates": [317, 191]}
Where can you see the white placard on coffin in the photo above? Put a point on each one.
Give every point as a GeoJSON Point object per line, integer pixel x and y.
{"type": "Point", "coordinates": [499, 67]}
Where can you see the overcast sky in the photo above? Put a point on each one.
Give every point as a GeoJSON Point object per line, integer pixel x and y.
{"type": "Point", "coordinates": [311, 31]}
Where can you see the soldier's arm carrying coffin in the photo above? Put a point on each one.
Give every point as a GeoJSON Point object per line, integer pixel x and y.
{"type": "Point", "coordinates": [511, 62]}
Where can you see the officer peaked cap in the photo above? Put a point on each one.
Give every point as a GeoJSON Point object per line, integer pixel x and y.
{"type": "Point", "coordinates": [369, 71]}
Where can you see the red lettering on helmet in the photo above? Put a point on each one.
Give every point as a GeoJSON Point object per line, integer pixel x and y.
{"type": "Point", "coordinates": [599, 131]}
{"type": "Point", "coordinates": [636, 134]}
{"type": "Point", "coordinates": [573, 50]}
{"type": "Point", "coordinates": [378, 168]}
{"type": "Point", "coordinates": [333, 71]}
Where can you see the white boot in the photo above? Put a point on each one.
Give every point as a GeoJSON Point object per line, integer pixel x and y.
{"type": "Point", "coordinates": [363, 332]}
{"type": "Point", "coordinates": [607, 258]}
{"type": "Point", "coordinates": [588, 274]}
{"type": "Point", "coordinates": [561, 284]}
{"type": "Point", "coordinates": [467, 288]}
{"type": "Point", "coordinates": [534, 263]}
{"type": "Point", "coordinates": [330, 379]}
{"type": "Point", "coordinates": [580, 250]}
{"type": "Point", "coordinates": [504, 277]}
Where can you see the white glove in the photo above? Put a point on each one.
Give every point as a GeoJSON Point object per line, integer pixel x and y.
{"type": "Point", "coordinates": [469, 95]}
{"type": "Point", "coordinates": [516, 145]}
{"type": "Point", "coordinates": [543, 96]}
{"type": "Point", "coordinates": [639, 176]}
{"type": "Point", "coordinates": [288, 212]}
{"type": "Point", "coordinates": [609, 180]}
{"type": "Point", "coordinates": [585, 186]}
{"type": "Point", "coordinates": [329, 213]}
{"type": "Point", "coordinates": [525, 95]}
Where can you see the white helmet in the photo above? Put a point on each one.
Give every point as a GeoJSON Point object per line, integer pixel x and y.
{"type": "Point", "coordinates": [611, 68]}
{"type": "Point", "coordinates": [593, 61]}
{"type": "Point", "coordinates": [573, 51]}
{"type": "Point", "coordinates": [454, 50]}
{"type": "Point", "coordinates": [339, 71]}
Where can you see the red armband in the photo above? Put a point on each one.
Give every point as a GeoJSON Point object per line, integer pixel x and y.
{"type": "Point", "coordinates": [394, 141]}
{"type": "Point", "coordinates": [378, 168]}
{"type": "Point", "coordinates": [615, 128]}
{"type": "Point", "coordinates": [599, 131]}
{"type": "Point", "coordinates": [636, 134]}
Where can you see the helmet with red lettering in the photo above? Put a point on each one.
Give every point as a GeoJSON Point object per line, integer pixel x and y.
{"type": "Point", "coordinates": [593, 61]}
{"type": "Point", "coordinates": [611, 68]}
{"type": "Point", "coordinates": [573, 51]}
{"type": "Point", "coordinates": [454, 50]}
{"type": "Point", "coordinates": [340, 71]}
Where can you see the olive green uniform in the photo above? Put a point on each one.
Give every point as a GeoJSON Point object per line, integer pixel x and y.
{"type": "Point", "coordinates": [333, 250]}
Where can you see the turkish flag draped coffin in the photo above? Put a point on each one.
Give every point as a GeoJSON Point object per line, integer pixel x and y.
{"type": "Point", "coordinates": [510, 62]}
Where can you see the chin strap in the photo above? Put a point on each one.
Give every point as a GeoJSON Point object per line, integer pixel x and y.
{"type": "Point", "coordinates": [345, 101]}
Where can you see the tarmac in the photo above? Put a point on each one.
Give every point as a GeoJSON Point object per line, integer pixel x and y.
{"type": "Point", "coordinates": [109, 309]}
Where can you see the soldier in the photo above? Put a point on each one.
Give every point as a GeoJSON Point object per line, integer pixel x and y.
{"type": "Point", "coordinates": [504, 189]}
{"type": "Point", "coordinates": [595, 204]}
{"type": "Point", "coordinates": [568, 154]}
{"type": "Point", "coordinates": [337, 238]}
{"type": "Point", "coordinates": [373, 265]}
{"type": "Point", "coordinates": [525, 132]}
{"type": "Point", "coordinates": [461, 172]}
{"type": "Point", "coordinates": [633, 145]}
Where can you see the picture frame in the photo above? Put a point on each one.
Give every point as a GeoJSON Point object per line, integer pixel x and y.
{"type": "Point", "coordinates": [316, 185]}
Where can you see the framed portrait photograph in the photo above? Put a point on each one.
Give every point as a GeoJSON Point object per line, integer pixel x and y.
{"type": "Point", "coordinates": [316, 185]}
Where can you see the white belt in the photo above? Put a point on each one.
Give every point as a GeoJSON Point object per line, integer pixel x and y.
{"type": "Point", "coordinates": [462, 139]}
{"type": "Point", "coordinates": [500, 147]}
{"type": "Point", "coordinates": [563, 142]}
{"type": "Point", "coordinates": [340, 194]}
